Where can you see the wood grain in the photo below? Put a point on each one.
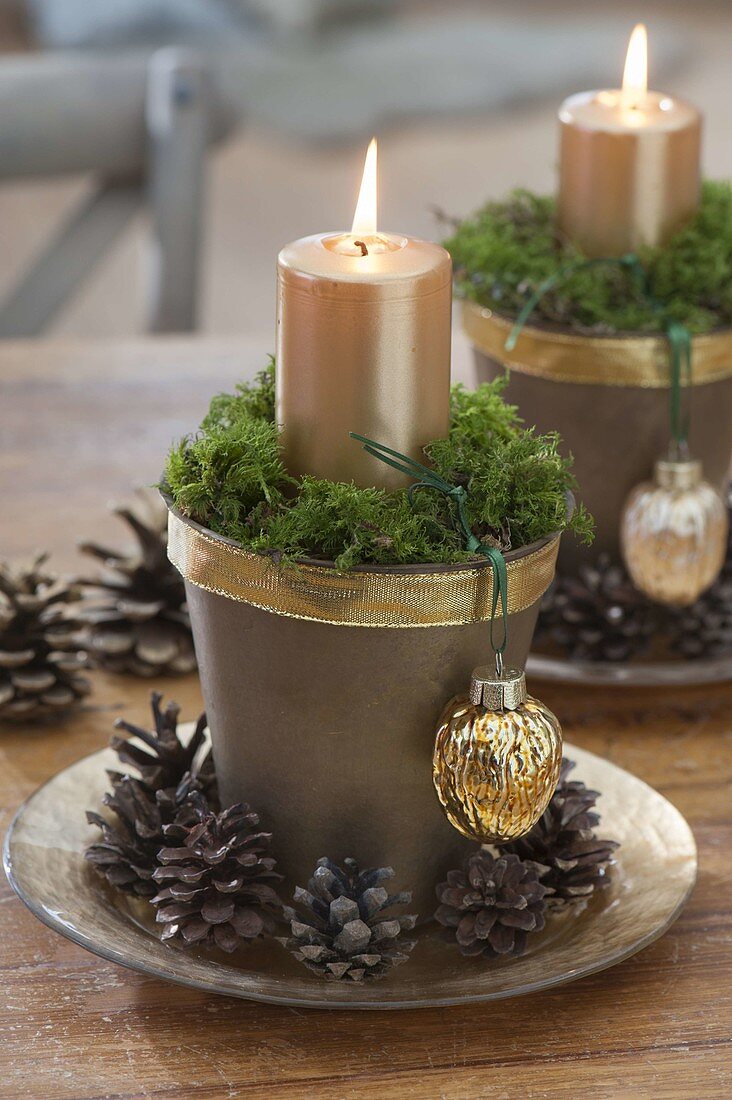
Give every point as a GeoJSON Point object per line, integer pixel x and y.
{"type": "Point", "coordinates": [81, 423]}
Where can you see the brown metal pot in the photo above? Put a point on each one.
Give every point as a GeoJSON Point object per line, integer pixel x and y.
{"type": "Point", "coordinates": [327, 727]}
{"type": "Point", "coordinates": [608, 397]}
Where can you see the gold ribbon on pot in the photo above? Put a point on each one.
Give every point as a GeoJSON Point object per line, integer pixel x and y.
{"type": "Point", "coordinates": [407, 596]}
{"type": "Point", "coordinates": [636, 361]}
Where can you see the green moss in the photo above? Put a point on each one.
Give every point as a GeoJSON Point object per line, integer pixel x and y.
{"type": "Point", "coordinates": [508, 248]}
{"type": "Point", "coordinates": [250, 401]}
{"type": "Point", "coordinates": [224, 473]}
{"type": "Point", "coordinates": [230, 477]}
{"type": "Point", "coordinates": [340, 522]}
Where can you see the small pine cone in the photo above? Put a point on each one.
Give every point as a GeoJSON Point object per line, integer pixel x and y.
{"type": "Point", "coordinates": [342, 928]}
{"type": "Point", "coordinates": [136, 614]}
{"type": "Point", "coordinates": [127, 853]}
{"type": "Point", "coordinates": [597, 615]}
{"type": "Point", "coordinates": [493, 904]}
{"type": "Point", "coordinates": [216, 879]}
{"type": "Point", "coordinates": [705, 629]}
{"type": "Point", "coordinates": [169, 760]}
{"type": "Point", "coordinates": [41, 647]}
{"type": "Point", "coordinates": [142, 805]}
{"type": "Point", "coordinates": [564, 841]}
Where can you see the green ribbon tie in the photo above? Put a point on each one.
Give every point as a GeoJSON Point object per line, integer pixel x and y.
{"type": "Point", "coordinates": [677, 335]}
{"type": "Point", "coordinates": [426, 478]}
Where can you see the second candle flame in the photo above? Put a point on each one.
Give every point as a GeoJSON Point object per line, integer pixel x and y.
{"type": "Point", "coordinates": [364, 220]}
{"type": "Point", "coordinates": [635, 74]}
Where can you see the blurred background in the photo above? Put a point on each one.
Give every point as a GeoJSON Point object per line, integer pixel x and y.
{"type": "Point", "coordinates": [155, 154]}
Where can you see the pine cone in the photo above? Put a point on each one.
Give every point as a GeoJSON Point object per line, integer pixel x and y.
{"type": "Point", "coordinates": [41, 651]}
{"type": "Point", "coordinates": [169, 759]}
{"type": "Point", "coordinates": [597, 615]}
{"type": "Point", "coordinates": [137, 616]}
{"type": "Point", "coordinates": [143, 805]}
{"type": "Point", "coordinates": [216, 878]}
{"type": "Point", "coordinates": [705, 628]}
{"type": "Point", "coordinates": [493, 904]}
{"type": "Point", "coordinates": [564, 841]}
{"type": "Point", "coordinates": [127, 853]}
{"type": "Point", "coordinates": [342, 929]}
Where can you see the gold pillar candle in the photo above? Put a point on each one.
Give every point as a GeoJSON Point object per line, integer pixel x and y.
{"type": "Point", "coordinates": [629, 167]}
{"type": "Point", "coordinates": [363, 345]}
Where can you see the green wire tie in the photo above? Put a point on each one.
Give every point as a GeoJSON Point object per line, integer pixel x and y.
{"type": "Point", "coordinates": [427, 478]}
{"type": "Point", "coordinates": [677, 335]}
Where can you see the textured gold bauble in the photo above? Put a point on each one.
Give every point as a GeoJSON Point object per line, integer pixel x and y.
{"type": "Point", "coordinates": [673, 534]}
{"type": "Point", "coordinates": [495, 769]}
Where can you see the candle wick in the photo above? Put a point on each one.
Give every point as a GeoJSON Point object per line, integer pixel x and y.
{"type": "Point", "coordinates": [362, 246]}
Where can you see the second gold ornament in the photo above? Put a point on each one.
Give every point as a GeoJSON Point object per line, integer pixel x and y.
{"type": "Point", "coordinates": [673, 530]}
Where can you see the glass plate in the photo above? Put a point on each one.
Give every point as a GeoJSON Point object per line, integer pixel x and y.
{"type": "Point", "coordinates": [654, 875]}
{"type": "Point", "coordinates": [630, 673]}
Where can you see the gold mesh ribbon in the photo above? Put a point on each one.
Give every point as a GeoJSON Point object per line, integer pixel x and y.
{"type": "Point", "coordinates": [640, 361]}
{"type": "Point", "coordinates": [443, 596]}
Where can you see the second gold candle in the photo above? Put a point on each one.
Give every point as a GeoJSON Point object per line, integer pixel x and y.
{"type": "Point", "coordinates": [629, 163]}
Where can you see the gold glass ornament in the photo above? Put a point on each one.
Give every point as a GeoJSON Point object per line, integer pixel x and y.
{"type": "Point", "coordinates": [673, 533]}
{"type": "Point", "coordinates": [497, 758]}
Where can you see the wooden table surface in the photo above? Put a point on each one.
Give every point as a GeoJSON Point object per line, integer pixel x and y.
{"type": "Point", "coordinates": [80, 424]}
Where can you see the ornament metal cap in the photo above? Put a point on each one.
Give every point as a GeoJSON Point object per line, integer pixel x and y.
{"type": "Point", "coordinates": [678, 474]}
{"type": "Point", "coordinates": [504, 692]}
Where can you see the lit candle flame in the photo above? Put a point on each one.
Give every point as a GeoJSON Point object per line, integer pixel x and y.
{"type": "Point", "coordinates": [364, 220]}
{"type": "Point", "coordinates": [635, 74]}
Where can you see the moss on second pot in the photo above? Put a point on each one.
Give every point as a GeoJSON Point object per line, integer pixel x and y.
{"type": "Point", "coordinates": [507, 249]}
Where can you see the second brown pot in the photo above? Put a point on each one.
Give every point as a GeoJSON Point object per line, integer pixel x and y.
{"type": "Point", "coordinates": [608, 397]}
